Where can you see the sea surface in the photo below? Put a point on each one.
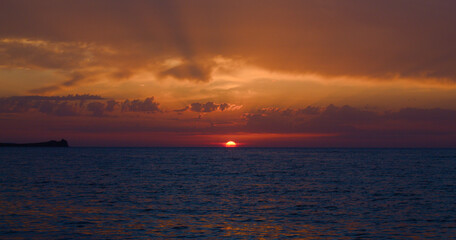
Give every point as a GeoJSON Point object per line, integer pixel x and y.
{"type": "Point", "coordinates": [227, 193]}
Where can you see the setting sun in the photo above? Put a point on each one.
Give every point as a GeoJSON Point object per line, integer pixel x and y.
{"type": "Point", "coordinates": [230, 144]}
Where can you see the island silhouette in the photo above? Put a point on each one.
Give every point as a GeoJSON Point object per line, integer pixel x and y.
{"type": "Point", "coordinates": [52, 143]}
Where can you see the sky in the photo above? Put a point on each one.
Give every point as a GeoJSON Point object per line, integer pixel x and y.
{"type": "Point", "coordinates": [317, 73]}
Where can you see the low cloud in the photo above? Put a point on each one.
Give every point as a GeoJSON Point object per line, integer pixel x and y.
{"type": "Point", "coordinates": [56, 105]}
{"type": "Point", "coordinates": [111, 105]}
{"type": "Point", "coordinates": [349, 120]}
{"type": "Point", "coordinates": [308, 126]}
{"type": "Point", "coordinates": [57, 98]}
{"type": "Point", "coordinates": [97, 108]}
{"type": "Point", "coordinates": [73, 105]}
{"type": "Point", "coordinates": [424, 115]}
{"type": "Point", "coordinates": [148, 105]}
{"type": "Point", "coordinates": [208, 107]}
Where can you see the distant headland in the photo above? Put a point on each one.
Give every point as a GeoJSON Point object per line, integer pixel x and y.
{"type": "Point", "coordinates": [52, 143]}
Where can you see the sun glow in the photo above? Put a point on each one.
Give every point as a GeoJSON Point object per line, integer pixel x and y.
{"type": "Point", "coordinates": [230, 144]}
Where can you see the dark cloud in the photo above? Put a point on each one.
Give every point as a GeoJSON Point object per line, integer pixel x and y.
{"type": "Point", "coordinates": [376, 39]}
{"type": "Point", "coordinates": [192, 72]}
{"type": "Point", "coordinates": [148, 105]}
{"type": "Point", "coordinates": [330, 126]}
{"type": "Point", "coordinates": [309, 110]}
{"type": "Point", "coordinates": [282, 120]}
{"type": "Point", "coordinates": [337, 119]}
{"type": "Point", "coordinates": [8, 105]}
{"type": "Point", "coordinates": [56, 108]}
{"type": "Point", "coordinates": [97, 108]}
{"type": "Point", "coordinates": [57, 105]}
{"type": "Point", "coordinates": [426, 115]}
{"type": "Point", "coordinates": [182, 109]}
{"type": "Point", "coordinates": [74, 79]}
{"type": "Point", "coordinates": [56, 98]}
{"type": "Point", "coordinates": [73, 105]}
{"type": "Point", "coordinates": [208, 107]}
{"type": "Point", "coordinates": [121, 74]}
{"type": "Point", "coordinates": [110, 105]}
{"type": "Point", "coordinates": [45, 104]}
{"type": "Point", "coordinates": [348, 121]}
{"type": "Point", "coordinates": [223, 106]}
{"type": "Point", "coordinates": [65, 109]}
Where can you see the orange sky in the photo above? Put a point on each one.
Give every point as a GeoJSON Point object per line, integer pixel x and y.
{"type": "Point", "coordinates": [320, 73]}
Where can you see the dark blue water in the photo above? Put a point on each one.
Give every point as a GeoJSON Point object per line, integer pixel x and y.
{"type": "Point", "coordinates": [217, 193]}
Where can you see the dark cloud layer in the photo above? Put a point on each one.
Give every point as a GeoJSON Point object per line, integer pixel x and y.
{"type": "Point", "coordinates": [148, 105]}
{"type": "Point", "coordinates": [54, 105]}
{"type": "Point", "coordinates": [330, 126]}
{"type": "Point", "coordinates": [58, 98]}
{"type": "Point", "coordinates": [349, 121]}
{"type": "Point", "coordinates": [75, 105]}
{"type": "Point", "coordinates": [209, 107]}
{"type": "Point", "coordinates": [376, 39]}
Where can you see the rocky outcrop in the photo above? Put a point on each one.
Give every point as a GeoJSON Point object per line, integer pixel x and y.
{"type": "Point", "coordinates": [52, 143]}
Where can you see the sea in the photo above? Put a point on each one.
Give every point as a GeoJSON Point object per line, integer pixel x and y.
{"type": "Point", "coordinates": [227, 193]}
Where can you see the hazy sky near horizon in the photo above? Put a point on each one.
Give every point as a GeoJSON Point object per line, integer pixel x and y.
{"type": "Point", "coordinates": [199, 73]}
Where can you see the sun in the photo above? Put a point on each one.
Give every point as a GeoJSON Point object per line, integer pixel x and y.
{"type": "Point", "coordinates": [230, 144]}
